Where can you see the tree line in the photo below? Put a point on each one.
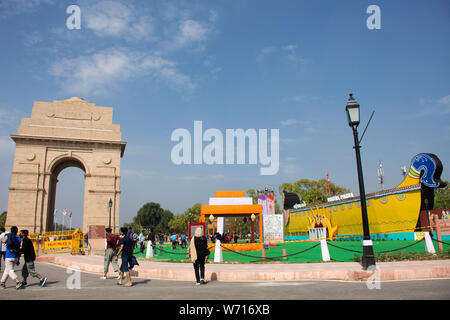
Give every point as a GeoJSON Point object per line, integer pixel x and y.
{"type": "Point", "coordinates": [160, 220]}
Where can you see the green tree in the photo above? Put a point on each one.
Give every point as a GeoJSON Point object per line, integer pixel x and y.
{"type": "Point", "coordinates": [312, 191]}
{"type": "Point", "coordinates": [3, 219]}
{"type": "Point", "coordinates": [442, 197]}
{"type": "Point", "coordinates": [151, 215]}
{"type": "Point", "coordinates": [179, 223]}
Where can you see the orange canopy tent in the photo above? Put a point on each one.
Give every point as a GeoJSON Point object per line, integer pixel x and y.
{"type": "Point", "coordinates": [226, 210]}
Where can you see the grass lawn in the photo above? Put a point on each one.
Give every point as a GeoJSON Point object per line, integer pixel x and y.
{"type": "Point", "coordinates": [313, 255]}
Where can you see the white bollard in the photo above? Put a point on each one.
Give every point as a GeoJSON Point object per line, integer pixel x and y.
{"type": "Point", "coordinates": [149, 253]}
{"type": "Point", "coordinates": [325, 253]}
{"type": "Point", "coordinates": [218, 257]}
{"type": "Point", "coordinates": [429, 243]}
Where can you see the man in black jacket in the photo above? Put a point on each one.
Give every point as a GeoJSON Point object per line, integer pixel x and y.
{"type": "Point", "coordinates": [29, 256]}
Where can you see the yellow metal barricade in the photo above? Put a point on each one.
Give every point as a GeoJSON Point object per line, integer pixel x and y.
{"type": "Point", "coordinates": [71, 241]}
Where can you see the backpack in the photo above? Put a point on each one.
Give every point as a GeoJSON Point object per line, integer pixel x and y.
{"type": "Point", "coordinates": [12, 243]}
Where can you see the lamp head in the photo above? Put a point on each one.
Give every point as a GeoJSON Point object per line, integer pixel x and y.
{"type": "Point", "coordinates": [352, 110]}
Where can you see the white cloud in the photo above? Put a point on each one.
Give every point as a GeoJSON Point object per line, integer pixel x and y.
{"type": "Point", "coordinates": [445, 100]}
{"type": "Point", "coordinates": [264, 52]}
{"type": "Point", "coordinates": [286, 52]}
{"type": "Point", "coordinates": [100, 71]}
{"type": "Point", "coordinates": [137, 173]}
{"type": "Point", "coordinates": [432, 107]}
{"type": "Point", "coordinates": [197, 178]}
{"type": "Point", "coordinates": [12, 7]}
{"type": "Point", "coordinates": [289, 169]}
{"type": "Point", "coordinates": [8, 116]}
{"type": "Point", "coordinates": [289, 122]}
{"type": "Point", "coordinates": [289, 47]}
{"type": "Point", "coordinates": [191, 31]}
{"type": "Point", "coordinates": [295, 140]}
{"type": "Point", "coordinates": [114, 18]}
{"type": "Point", "coordinates": [291, 159]}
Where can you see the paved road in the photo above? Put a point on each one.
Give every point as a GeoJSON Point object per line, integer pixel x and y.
{"type": "Point", "coordinates": [92, 287]}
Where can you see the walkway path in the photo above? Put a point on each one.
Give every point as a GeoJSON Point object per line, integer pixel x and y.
{"type": "Point", "coordinates": [349, 271]}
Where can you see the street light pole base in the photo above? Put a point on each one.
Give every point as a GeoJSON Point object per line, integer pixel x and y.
{"type": "Point", "coordinates": [368, 258]}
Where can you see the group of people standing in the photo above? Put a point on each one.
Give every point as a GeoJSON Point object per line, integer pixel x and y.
{"type": "Point", "coordinates": [123, 245]}
{"type": "Point", "coordinates": [12, 247]}
{"type": "Point", "coordinates": [116, 245]}
{"type": "Point", "coordinates": [178, 239]}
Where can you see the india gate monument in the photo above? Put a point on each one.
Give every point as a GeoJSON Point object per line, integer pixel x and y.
{"type": "Point", "coordinates": [62, 134]}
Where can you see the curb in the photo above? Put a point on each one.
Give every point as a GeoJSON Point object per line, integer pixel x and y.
{"type": "Point", "coordinates": [218, 272]}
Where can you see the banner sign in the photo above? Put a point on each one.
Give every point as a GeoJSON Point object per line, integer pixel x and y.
{"type": "Point", "coordinates": [193, 226]}
{"type": "Point", "coordinates": [262, 201]}
{"type": "Point", "coordinates": [270, 204]}
{"type": "Point", "coordinates": [273, 227]}
{"type": "Point", "coordinates": [58, 244]}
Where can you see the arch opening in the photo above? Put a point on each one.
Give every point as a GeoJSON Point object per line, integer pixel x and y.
{"type": "Point", "coordinates": [63, 169]}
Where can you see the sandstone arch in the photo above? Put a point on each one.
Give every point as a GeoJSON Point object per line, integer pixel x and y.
{"type": "Point", "coordinates": [61, 134]}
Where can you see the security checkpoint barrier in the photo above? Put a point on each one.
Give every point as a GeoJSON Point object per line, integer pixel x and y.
{"type": "Point", "coordinates": [71, 241]}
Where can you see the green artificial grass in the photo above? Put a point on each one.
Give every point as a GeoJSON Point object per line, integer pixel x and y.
{"type": "Point", "coordinates": [313, 255]}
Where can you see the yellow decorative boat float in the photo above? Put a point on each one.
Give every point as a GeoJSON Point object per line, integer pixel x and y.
{"type": "Point", "coordinates": [392, 214]}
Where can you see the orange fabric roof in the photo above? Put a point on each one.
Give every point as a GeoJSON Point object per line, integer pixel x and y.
{"type": "Point", "coordinates": [231, 209]}
{"type": "Point", "coordinates": [230, 194]}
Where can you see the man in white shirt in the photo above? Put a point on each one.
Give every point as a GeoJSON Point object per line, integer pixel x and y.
{"type": "Point", "coordinates": [2, 246]}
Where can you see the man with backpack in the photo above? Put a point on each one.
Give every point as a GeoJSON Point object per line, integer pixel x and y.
{"type": "Point", "coordinates": [29, 256]}
{"type": "Point", "coordinates": [12, 257]}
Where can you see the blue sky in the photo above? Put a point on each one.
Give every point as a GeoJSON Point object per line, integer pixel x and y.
{"type": "Point", "coordinates": [244, 64]}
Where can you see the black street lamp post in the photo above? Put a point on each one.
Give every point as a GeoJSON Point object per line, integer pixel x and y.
{"type": "Point", "coordinates": [368, 258]}
{"type": "Point", "coordinates": [110, 206]}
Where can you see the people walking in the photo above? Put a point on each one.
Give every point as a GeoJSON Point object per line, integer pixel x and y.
{"type": "Point", "coordinates": [152, 238]}
{"type": "Point", "coordinates": [142, 241]}
{"type": "Point", "coordinates": [126, 249]}
{"type": "Point", "coordinates": [135, 240]}
{"type": "Point", "coordinates": [183, 240]}
{"type": "Point", "coordinates": [29, 256]}
{"type": "Point", "coordinates": [112, 243]}
{"type": "Point", "coordinates": [12, 257]}
{"type": "Point", "coordinates": [198, 252]}
{"type": "Point", "coordinates": [173, 238]}
{"type": "Point", "coordinates": [2, 247]}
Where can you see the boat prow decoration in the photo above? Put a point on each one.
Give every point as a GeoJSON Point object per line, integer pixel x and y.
{"type": "Point", "coordinates": [389, 211]}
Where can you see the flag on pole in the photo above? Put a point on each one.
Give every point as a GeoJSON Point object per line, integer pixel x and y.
{"type": "Point", "coordinates": [328, 181]}
{"type": "Point", "coordinates": [64, 212]}
{"type": "Point", "coordinates": [70, 214]}
{"type": "Point", "coordinates": [56, 211]}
